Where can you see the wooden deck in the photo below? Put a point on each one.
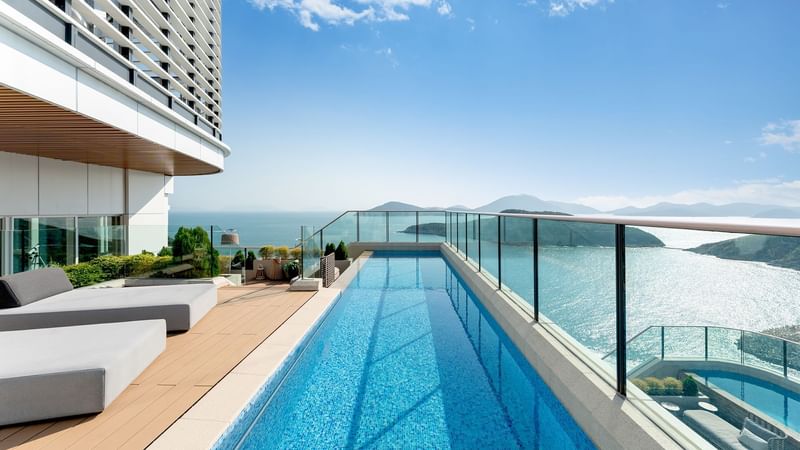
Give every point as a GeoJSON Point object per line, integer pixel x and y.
{"type": "Point", "coordinates": [190, 366]}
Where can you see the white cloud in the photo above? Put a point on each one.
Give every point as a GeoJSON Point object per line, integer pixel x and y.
{"type": "Point", "coordinates": [785, 133]}
{"type": "Point", "coordinates": [752, 159]}
{"type": "Point", "coordinates": [471, 23]}
{"type": "Point", "coordinates": [563, 8]}
{"type": "Point", "coordinates": [723, 5]}
{"type": "Point", "coordinates": [389, 55]}
{"type": "Point", "coordinates": [769, 191]}
{"type": "Point", "coordinates": [444, 9]}
{"type": "Point", "coordinates": [334, 12]}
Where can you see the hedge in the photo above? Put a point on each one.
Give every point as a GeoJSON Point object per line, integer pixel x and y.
{"type": "Point", "coordinates": [106, 268]}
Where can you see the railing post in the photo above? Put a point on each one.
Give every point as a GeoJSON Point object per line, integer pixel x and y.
{"type": "Point", "coordinates": [458, 237]}
{"type": "Point", "coordinates": [387, 226]}
{"type": "Point", "coordinates": [741, 347]}
{"type": "Point", "coordinates": [479, 244]}
{"type": "Point", "coordinates": [499, 256]}
{"type": "Point", "coordinates": [417, 227]}
{"type": "Point", "coordinates": [211, 256]}
{"type": "Point", "coordinates": [536, 269]}
{"type": "Point", "coordinates": [622, 357]}
{"type": "Point", "coordinates": [785, 361]}
{"type": "Point", "coordinates": [662, 342]}
{"type": "Point", "coordinates": [321, 242]}
{"type": "Point", "coordinates": [466, 237]}
{"type": "Point", "coordinates": [705, 342]}
{"type": "Point", "coordinates": [358, 226]}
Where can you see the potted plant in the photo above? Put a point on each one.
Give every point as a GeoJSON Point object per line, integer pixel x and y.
{"type": "Point", "coordinates": [274, 259]}
{"type": "Point", "coordinates": [291, 269]}
{"type": "Point", "coordinates": [342, 257]}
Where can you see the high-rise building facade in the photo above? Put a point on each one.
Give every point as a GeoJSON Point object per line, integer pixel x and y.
{"type": "Point", "coordinates": [102, 103]}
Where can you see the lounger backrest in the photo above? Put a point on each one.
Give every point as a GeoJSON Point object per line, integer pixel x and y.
{"type": "Point", "coordinates": [23, 288]}
{"type": "Point", "coordinates": [773, 439]}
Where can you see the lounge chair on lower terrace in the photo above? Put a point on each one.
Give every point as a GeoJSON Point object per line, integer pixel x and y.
{"type": "Point", "coordinates": [66, 371]}
{"type": "Point", "coordinates": [726, 436]}
{"type": "Point", "coordinates": [45, 298]}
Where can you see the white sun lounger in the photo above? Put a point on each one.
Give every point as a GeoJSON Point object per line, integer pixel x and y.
{"type": "Point", "coordinates": [66, 371]}
{"type": "Point", "coordinates": [45, 299]}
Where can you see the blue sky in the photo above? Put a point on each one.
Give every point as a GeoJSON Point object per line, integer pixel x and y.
{"type": "Point", "coordinates": [343, 104]}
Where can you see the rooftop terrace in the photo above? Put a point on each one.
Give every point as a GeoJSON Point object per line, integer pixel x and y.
{"type": "Point", "coordinates": [193, 363]}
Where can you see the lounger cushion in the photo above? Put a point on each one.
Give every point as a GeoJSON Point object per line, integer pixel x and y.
{"type": "Point", "coordinates": [24, 288]}
{"type": "Point", "coordinates": [714, 429]}
{"type": "Point", "coordinates": [58, 372]}
{"type": "Point", "coordinates": [181, 306]}
{"type": "Point", "coordinates": [751, 441]}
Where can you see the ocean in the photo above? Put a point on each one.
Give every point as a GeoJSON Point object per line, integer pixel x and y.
{"type": "Point", "coordinates": [665, 286]}
{"type": "Point", "coordinates": [255, 229]}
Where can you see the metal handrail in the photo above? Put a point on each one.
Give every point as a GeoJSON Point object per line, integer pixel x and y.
{"type": "Point", "coordinates": [698, 225]}
{"type": "Point", "coordinates": [784, 342]}
{"type": "Point", "coordinates": [639, 334]}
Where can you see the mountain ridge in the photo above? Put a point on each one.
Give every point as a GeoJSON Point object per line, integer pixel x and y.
{"type": "Point", "coordinates": [663, 209]}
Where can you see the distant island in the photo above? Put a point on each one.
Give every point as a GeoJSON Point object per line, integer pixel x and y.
{"type": "Point", "coordinates": [776, 251]}
{"type": "Point", "coordinates": [579, 234]}
{"type": "Point", "coordinates": [560, 234]}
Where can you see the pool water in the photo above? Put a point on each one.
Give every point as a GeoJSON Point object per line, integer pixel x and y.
{"type": "Point", "coordinates": [778, 402]}
{"type": "Point", "coordinates": [409, 358]}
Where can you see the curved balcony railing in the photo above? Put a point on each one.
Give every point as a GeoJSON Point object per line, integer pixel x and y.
{"type": "Point", "coordinates": [713, 343]}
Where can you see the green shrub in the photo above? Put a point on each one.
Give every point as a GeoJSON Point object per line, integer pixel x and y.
{"type": "Point", "coordinates": [291, 269]}
{"type": "Point", "coordinates": [187, 240]}
{"type": "Point", "coordinates": [283, 251]}
{"type": "Point", "coordinates": [113, 267]}
{"type": "Point", "coordinates": [84, 274]}
{"type": "Point", "coordinates": [341, 251]}
{"type": "Point", "coordinates": [330, 247]}
{"type": "Point", "coordinates": [641, 384]}
{"type": "Point", "coordinates": [672, 386]}
{"type": "Point", "coordinates": [296, 252]}
{"type": "Point", "coordinates": [266, 252]}
{"type": "Point", "coordinates": [690, 387]}
{"type": "Point", "coordinates": [165, 251]}
{"type": "Point", "coordinates": [654, 386]}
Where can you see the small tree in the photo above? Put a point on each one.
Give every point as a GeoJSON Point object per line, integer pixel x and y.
{"type": "Point", "coordinates": [283, 251]}
{"type": "Point", "coordinates": [341, 251]}
{"type": "Point", "coordinates": [690, 388]}
{"type": "Point", "coordinates": [266, 252]}
{"type": "Point", "coordinates": [330, 247]}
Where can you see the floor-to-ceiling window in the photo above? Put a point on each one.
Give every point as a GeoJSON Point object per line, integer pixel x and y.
{"type": "Point", "coordinates": [45, 241]}
{"type": "Point", "coordinates": [98, 236]}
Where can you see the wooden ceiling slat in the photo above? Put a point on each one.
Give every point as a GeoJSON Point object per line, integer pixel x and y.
{"type": "Point", "coordinates": [34, 127]}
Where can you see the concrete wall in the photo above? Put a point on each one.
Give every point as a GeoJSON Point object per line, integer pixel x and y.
{"type": "Point", "coordinates": [31, 186]}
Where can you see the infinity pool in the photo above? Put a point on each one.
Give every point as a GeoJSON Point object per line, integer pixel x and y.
{"type": "Point", "coordinates": [779, 403]}
{"type": "Point", "coordinates": [409, 358]}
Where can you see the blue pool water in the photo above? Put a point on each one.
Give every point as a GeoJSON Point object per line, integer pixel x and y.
{"type": "Point", "coordinates": [779, 403]}
{"type": "Point", "coordinates": [408, 358]}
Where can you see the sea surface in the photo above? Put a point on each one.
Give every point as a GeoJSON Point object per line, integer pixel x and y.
{"type": "Point", "coordinates": [665, 286]}
{"type": "Point", "coordinates": [255, 229]}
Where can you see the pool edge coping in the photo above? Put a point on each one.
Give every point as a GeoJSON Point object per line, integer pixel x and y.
{"type": "Point", "coordinates": [564, 367]}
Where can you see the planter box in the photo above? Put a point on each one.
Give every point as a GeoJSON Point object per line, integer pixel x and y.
{"type": "Point", "coordinates": [273, 268]}
{"type": "Point", "coordinates": [343, 265]}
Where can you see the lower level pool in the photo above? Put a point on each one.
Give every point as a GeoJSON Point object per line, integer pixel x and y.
{"type": "Point", "coordinates": [409, 358]}
{"type": "Point", "coordinates": [776, 401]}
